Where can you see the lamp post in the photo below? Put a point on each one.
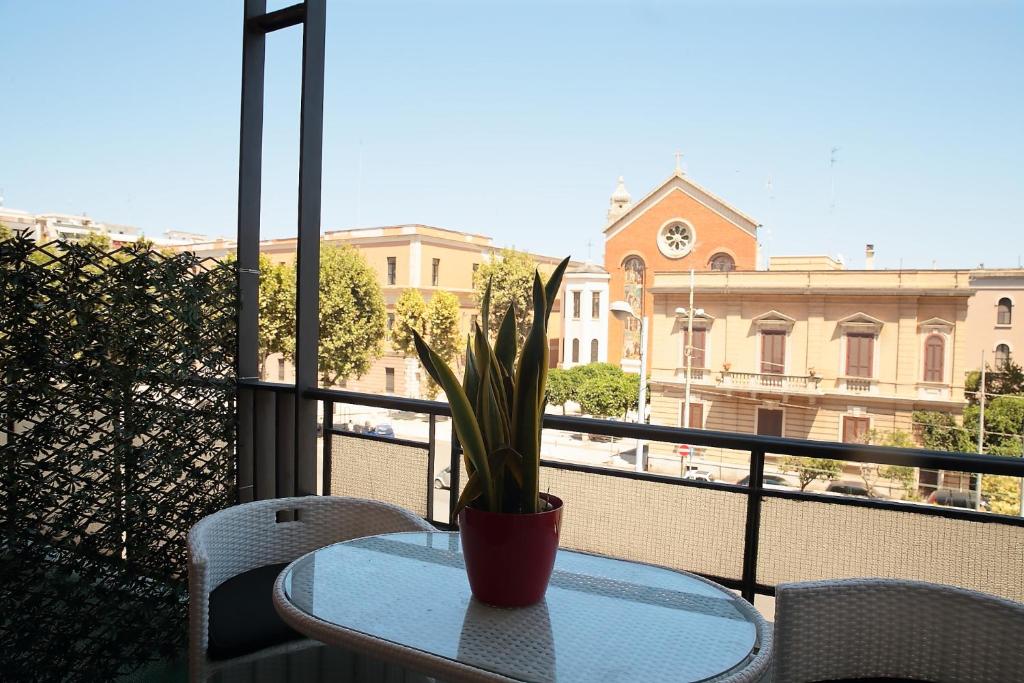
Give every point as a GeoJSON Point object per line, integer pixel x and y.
{"type": "Point", "coordinates": [623, 311]}
{"type": "Point", "coordinates": [688, 355]}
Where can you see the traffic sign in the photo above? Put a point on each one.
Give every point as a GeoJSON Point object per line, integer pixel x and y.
{"type": "Point", "coordinates": [683, 450]}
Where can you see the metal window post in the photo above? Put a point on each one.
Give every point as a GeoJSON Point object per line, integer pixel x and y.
{"type": "Point", "coordinates": [307, 264]}
{"type": "Point", "coordinates": [312, 14]}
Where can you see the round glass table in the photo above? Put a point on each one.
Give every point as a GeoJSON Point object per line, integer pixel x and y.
{"type": "Point", "coordinates": [405, 598]}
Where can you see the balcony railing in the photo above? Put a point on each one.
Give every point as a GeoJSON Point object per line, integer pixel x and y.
{"type": "Point", "coordinates": [763, 380]}
{"type": "Point", "coordinates": [748, 537]}
{"type": "Point", "coordinates": [858, 385]}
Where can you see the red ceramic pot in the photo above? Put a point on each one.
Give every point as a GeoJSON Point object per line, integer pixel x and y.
{"type": "Point", "coordinates": [509, 557]}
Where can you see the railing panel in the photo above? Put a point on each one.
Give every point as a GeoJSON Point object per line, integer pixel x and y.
{"type": "Point", "coordinates": [683, 527]}
{"type": "Point", "coordinates": [379, 469]}
{"type": "Point", "coordinates": [801, 541]}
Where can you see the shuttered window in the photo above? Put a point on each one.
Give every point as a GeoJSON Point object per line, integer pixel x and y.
{"type": "Point", "coordinates": [855, 429]}
{"type": "Point", "coordinates": [699, 342]}
{"type": "Point", "coordinates": [773, 352]}
{"type": "Point", "coordinates": [934, 357]}
{"type": "Point", "coordinates": [860, 355]}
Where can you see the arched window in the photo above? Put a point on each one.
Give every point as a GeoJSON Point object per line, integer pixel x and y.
{"type": "Point", "coordinates": [575, 350]}
{"type": "Point", "coordinates": [723, 262]}
{"type": "Point", "coordinates": [1004, 311]}
{"type": "Point", "coordinates": [633, 293]}
{"type": "Point", "coordinates": [593, 350]}
{"type": "Point", "coordinates": [1002, 356]}
{"type": "Point", "coordinates": [934, 357]}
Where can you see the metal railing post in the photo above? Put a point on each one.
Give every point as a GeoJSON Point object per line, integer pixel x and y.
{"type": "Point", "coordinates": [325, 483]}
{"type": "Point", "coordinates": [753, 525]}
{"type": "Point", "coordinates": [453, 484]}
{"type": "Point", "coordinates": [431, 430]}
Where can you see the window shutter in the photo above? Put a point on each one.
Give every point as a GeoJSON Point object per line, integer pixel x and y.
{"type": "Point", "coordinates": [934, 352]}
{"type": "Point", "coordinates": [859, 355]}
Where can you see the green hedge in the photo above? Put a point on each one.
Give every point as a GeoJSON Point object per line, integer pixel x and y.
{"type": "Point", "coordinates": [117, 385]}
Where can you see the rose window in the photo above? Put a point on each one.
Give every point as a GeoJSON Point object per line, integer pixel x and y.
{"type": "Point", "coordinates": [675, 240]}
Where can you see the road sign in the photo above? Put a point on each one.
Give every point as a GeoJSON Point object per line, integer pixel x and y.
{"type": "Point", "coordinates": [683, 450]}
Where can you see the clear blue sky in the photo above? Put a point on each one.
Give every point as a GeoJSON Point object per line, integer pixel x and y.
{"type": "Point", "coordinates": [514, 118]}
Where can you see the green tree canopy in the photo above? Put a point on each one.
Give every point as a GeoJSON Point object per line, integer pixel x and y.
{"type": "Point", "coordinates": [443, 332]}
{"type": "Point", "coordinates": [603, 389]}
{"type": "Point", "coordinates": [352, 318]}
{"type": "Point", "coordinates": [511, 276]}
{"type": "Point", "coordinates": [1008, 379]}
{"type": "Point", "coordinates": [410, 314]}
{"type": "Point", "coordinates": [443, 325]}
{"type": "Point", "coordinates": [560, 388]}
{"type": "Point", "coordinates": [277, 310]}
{"type": "Point", "coordinates": [809, 469]}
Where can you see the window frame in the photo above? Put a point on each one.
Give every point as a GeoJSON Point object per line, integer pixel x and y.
{"type": "Point", "coordinates": [773, 334]}
{"type": "Point", "coordinates": [435, 272]}
{"type": "Point", "coordinates": [595, 305]}
{"type": "Point", "coordinates": [1004, 312]}
{"type": "Point", "coordinates": [929, 373]}
{"type": "Point", "coordinates": [576, 350]}
{"type": "Point", "coordinates": [577, 304]}
{"type": "Point", "coordinates": [872, 340]}
{"type": "Point", "coordinates": [595, 347]}
{"type": "Point", "coordinates": [392, 275]}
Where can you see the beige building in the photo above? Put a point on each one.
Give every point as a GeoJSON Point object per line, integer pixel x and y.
{"type": "Point", "coordinates": [46, 227]}
{"type": "Point", "coordinates": [994, 325]}
{"type": "Point", "coordinates": [421, 256]}
{"type": "Point", "coordinates": [823, 354]}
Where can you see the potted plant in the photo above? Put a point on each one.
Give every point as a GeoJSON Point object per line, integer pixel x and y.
{"type": "Point", "coordinates": [509, 529]}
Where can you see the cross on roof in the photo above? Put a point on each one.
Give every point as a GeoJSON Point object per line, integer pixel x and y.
{"type": "Point", "coordinates": [679, 162]}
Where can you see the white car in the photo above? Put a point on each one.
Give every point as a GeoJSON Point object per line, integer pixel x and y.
{"type": "Point", "coordinates": [694, 474]}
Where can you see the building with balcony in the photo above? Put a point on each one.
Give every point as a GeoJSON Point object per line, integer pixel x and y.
{"type": "Point", "coordinates": [811, 354]}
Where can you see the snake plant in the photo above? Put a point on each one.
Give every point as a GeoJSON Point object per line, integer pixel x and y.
{"type": "Point", "coordinates": [498, 409]}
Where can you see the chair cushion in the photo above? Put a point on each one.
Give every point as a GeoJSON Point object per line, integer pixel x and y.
{"type": "Point", "coordinates": [242, 615]}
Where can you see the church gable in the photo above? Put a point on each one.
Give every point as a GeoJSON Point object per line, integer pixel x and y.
{"type": "Point", "coordinates": [622, 214]}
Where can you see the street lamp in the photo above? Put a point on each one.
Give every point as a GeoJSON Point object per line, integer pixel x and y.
{"type": "Point", "coordinates": [689, 312]}
{"type": "Point", "coordinates": [623, 311]}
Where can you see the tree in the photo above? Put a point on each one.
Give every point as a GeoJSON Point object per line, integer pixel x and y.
{"type": "Point", "coordinates": [603, 389]}
{"type": "Point", "coordinates": [1008, 379]}
{"type": "Point", "coordinates": [277, 311]}
{"type": "Point", "coordinates": [941, 432]}
{"type": "Point", "coordinates": [1004, 424]}
{"type": "Point", "coordinates": [511, 277]}
{"type": "Point", "coordinates": [901, 474]}
{"type": "Point", "coordinates": [560, 388]}
{"type": "Point", "coordinates": [809, 469]}
{"type": "Point", "coordinates": [410, 314]}
{"type": "Point", "coordinates": [443, 332]}
{"type": "Point", "coordinates": [352, 318]}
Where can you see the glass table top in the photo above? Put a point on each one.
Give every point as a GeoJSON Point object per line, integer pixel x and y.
{"type": "Point", "coordinates": [602, 619]}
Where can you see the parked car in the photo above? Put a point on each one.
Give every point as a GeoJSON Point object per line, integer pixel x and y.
{"type": "Point", "coordinates": [848, 488]}
{"type": "Point", "coordinates": [771, 481]}
{"type": "Point", "coordinates": [956, 498]}
{"type": "Point", "coordinates": [383, 430]}
{"type": "Point", "coordinates": [694, 474]}
{"type": "Point", "coordinates": [443, 480]}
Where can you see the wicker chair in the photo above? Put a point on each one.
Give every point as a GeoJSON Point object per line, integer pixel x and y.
{"type": "Point", "coordinates": [894, 629]}
{"type": "Point", "coordinates": [245, 537]}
